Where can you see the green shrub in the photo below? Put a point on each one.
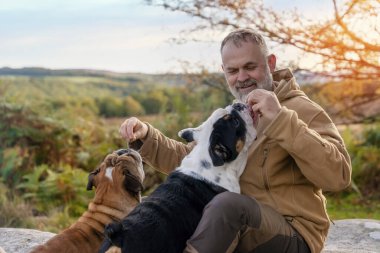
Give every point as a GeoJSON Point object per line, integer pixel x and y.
{"type": "Point", "coordinates": [27, 139]}
{"type": "Point", "coordinates": [365, 156]}
{"type": "Point", "coordinates": [13, 209]}
{"type": "Point", "coordinates": [366, 164]}
{"type": "Point", "coordinates": [47, 189]}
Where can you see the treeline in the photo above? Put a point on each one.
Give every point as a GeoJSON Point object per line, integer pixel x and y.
{"type": "Point", "coordinates": [160, 100]}
{"type": "Point", "coordinates": [107, 97]}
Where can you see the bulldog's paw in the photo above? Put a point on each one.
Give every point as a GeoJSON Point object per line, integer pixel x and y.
{"type": "Point", "coordinates": [113, 230]}
{"type": "Point", "coordinates": [114, 249]}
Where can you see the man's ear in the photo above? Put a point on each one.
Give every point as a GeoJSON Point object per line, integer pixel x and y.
{"type": "Point", "coordinates": [272, 62]}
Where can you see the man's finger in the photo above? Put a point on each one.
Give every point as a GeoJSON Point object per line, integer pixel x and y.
{"type": "Point", "coordinates": [256, 108]}
{"type": "Point", "coordinates": [122, 129]}
{"type": "Point", "coordinates": [131, 124]}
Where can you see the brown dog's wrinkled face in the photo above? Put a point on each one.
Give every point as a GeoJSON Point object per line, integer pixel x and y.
{"type": "Point", "coordinates": [121, 171]}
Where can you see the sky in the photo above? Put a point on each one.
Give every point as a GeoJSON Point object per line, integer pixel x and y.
{"type": "Point", "coordinates": [114, 35]}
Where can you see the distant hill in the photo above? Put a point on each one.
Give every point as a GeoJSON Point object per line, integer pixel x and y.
{"type": "Point", "coordinates": [34, 71]}
{"type": "Point", "coordinates": [167, 79]}
{"type": "Point", "coordinates": [304, 77]}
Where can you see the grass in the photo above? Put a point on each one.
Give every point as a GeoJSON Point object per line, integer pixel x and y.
{"type": "Point", "coordinates": [352, 207]}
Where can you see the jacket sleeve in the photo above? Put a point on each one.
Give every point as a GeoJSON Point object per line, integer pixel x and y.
{"type": "Point", "coordinates": [160, 152]}
{"type": "Point", "coordinates": [316, 147]}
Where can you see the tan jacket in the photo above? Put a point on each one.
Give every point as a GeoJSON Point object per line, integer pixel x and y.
{"type": "Point", "coordinates": [295, 157]}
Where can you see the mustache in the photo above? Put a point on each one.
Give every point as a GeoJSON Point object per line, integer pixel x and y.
{"type": "Point", "coordinates": [246, 83]}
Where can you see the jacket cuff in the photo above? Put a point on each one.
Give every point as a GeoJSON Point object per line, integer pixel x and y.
{"type": "Point", "coordinates": [140, 144]}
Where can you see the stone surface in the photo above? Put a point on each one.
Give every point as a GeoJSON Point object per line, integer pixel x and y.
{"type": "Point", "coordinates": [356, 236]}
{"type": "Point", "coordinates": [17, 240]}
{"type": "Point", "coordinates": [346, 236]}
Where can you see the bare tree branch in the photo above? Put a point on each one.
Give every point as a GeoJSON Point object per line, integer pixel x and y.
{"type": "Point", "coordinates": [346, 51]}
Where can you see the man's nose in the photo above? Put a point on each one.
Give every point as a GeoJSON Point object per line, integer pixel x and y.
{"type": "Point", "coordinates": [242, 75]}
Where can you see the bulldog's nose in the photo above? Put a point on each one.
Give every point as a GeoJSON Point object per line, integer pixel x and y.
{"type": "Point", "coordinates": [239, 106]}
{"type": "Point", "coordinates": [122, 152]}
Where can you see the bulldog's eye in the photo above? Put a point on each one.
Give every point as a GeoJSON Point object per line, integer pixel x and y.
{"type": "Point", "coordinates": [236, 122]}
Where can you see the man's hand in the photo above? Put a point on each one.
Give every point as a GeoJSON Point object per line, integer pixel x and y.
{"type": "Point", "coordinates": [133, 129]}
{"type": "Point", "coordinates": [264, 104]}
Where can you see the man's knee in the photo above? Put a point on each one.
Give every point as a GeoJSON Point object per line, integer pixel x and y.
{"type": "Point", "coordinates": [232, 206]}
{"type": "Point", "coordinates": [223, 200]}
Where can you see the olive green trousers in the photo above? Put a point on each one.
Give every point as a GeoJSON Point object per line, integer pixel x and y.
{"type": "Point", "coordinates": [236, 223]}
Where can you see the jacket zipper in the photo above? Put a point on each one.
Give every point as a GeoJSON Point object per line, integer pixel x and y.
{"type": "Point", "coordinates": [265, 176]}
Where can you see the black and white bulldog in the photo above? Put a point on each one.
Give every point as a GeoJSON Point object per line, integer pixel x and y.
{"type": "Point", "coordinates": [166, 219]}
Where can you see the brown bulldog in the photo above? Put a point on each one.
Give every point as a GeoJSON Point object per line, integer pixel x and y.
{"type": "Point", "coordinates": [118, 183]}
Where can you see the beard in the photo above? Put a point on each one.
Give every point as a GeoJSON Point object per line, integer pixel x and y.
{"type": "Point", "coordinates": [266, 84]}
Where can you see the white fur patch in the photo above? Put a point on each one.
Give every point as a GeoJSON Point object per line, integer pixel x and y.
{"type": "Point", "coordinates": [198, 162]}
{"type": "Point", "coordinates": [109, 173]}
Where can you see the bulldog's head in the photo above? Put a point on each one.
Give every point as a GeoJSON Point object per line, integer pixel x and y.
{"type": "Point", "coordinates": [226, 133]}
{"type": "Point", "coordinates": [120, 172]}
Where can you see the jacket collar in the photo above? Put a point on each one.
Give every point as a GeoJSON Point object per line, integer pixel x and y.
{"type": "Point", "coordinates": [282, 74]}
{"type": "Point", "coordinates": [285, 85]}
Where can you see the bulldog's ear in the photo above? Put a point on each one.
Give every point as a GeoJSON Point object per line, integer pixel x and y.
{"type": "Point", "coordinates": [90, 182]}
{"type": "Point", "coordinates": [91, 179]}
{"type": "Point", "coordinates": [190, 134]}
{"type": "Point", "coordinates": [132, 183]}
{"type": "Point", "coordinates": [187, 134]}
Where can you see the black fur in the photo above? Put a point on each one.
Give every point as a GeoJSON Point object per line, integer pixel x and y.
{"type": "Point", "coordinates": [166, 219]}
{"type": "Point", "coordinates": [227, 131]}
{"type": "Point", "coordinates": [187, 136]}
{"type": "Point", "coordinates": [205, 164]}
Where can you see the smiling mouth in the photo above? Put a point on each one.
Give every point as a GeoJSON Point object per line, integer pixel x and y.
{"type": "Point", "coordinates": [246, 84]}
{"type": "Point", "coordinates": [249, 87]}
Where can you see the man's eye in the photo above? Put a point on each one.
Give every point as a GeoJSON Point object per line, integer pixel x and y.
{"type": "Point", "coordinates": [251, 67]}
{"type": "Point", "coordinates": [232, 71]}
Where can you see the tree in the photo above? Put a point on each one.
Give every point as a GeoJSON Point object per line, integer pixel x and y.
{"type": "Point", "coordinates": [348, 42]}
{"type": "Point", "coordinates": [132, 107]}
{"type": "Point", "coordinates": [154, 102]}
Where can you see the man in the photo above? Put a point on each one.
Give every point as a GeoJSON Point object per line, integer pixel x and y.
{"type": "Point", "coordinates": [298, 153]}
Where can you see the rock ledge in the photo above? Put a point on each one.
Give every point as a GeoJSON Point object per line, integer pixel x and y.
{"type": "Point", "coordinates": [346, 236]}
{"type": "Point", "coordinates": [353, 236]}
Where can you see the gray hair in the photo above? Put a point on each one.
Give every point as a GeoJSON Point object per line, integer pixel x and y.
{"type": "Point", "coordinates": [246, 35]}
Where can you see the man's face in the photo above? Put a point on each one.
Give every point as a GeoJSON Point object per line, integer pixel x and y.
{"type": "Point", "coordinates": [245, 68]}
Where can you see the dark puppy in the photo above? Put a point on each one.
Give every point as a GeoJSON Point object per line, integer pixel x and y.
{"type": "Point", "coordinates": [169, 216]}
